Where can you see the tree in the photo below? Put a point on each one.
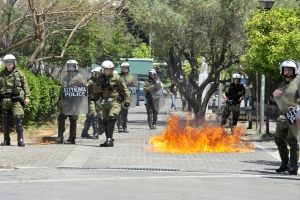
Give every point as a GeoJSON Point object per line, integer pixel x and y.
{"type": "Point", "coordinates": [117, 44]}
{"type": "Point", "coordinates": [30, 21]}
{"type": "Point", "coordinates": [273, 37]}
{"type": "Point", "coordinates": [187, 30]}
{"type": "Point", "coordinates": [141, 51]}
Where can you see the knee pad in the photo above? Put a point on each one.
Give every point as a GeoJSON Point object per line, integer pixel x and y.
{"type": "Point", "coordinates": [18, 119]}
{"type": "Point", "coordinates": [155, 112]}
{"type": "Point", "coordinates": [104, 122]}
{"type": "Point", "coordinates": [279, 142]}
{"type": "Point", "coordinates": [112, 119]}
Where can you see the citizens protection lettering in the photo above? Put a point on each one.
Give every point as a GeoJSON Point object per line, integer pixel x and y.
{"type": "Point", "coordinates": [132, 90]}
{"type": "Point", "coordinates": [291, 115]}
{"type": "Point", "coordinates": [75, 91]}
{"type": "Point", "coordinates": [157, 94]}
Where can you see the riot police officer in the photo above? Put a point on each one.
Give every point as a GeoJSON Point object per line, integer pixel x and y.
{"type": "Point", "coordinates": [98, 97]}
{"type": "Point", "coordinates": [111, 86]}
{"type": "Point", "coordinates": [129, 80]}
{"type": "Point", "coordinates": [151, 112]}
{"type": "Point", "coordinates": [14, 92]}
{"type": "Point", "coordinates": [283, 133]}
{"type": "Point", "coordinates": [233, 95]}
{"type": "Point", "coordinates": [73, 78]}
{"type": "Point", "coordinates": [91, 116]}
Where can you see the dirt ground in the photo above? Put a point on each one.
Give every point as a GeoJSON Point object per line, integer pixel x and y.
{"type": "Point", "coordinates": [36, 132]}
{"type": "Point", "coordinates": [41, 132]}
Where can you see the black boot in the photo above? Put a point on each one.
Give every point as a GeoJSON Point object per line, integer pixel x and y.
{"type": "Point", "coordinates": [95, 127]}
{"type": "Point", "coordinates": [149, 118]}
{"type": "Point", "coordinates": [109, 133]}
{"type": "Point", "coordinates": [155, 113]}
{"type": "Point", "coordinates": [6, 128]}
{"type": "Point", "coordinates": [73, 130]}
{"type": "Point", "coordinates": [86, 127]}
{"type": "Point", "coordinates": [19, 130]}
{"type": "Point", "coordinates": [294, 152]}
{"type": "Point", "coordinates": [61, 128]}
{"type": "Point", "coordinates": [100, 126]}
{"type": "Point", "coordinates": [120, 121]}
{"type": "Point", "coordinates": [125, 119]}
{"type": "Point", "coordinates": [283, 152]}
{"type": "Point", "coordinates": [108, 143]}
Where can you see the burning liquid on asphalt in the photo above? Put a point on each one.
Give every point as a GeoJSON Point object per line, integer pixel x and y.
{"type": "Point", "coordinates": [184, 137]}
{"type": "Point", "coordinates": [47, 142]}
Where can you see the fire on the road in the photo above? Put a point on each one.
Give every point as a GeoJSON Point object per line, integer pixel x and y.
{"type": "Point", "coordinates": [185, 138]}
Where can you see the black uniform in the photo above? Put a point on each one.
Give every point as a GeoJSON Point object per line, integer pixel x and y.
{"type": "Point", "coordinates": [233, 93]}
{"type": "Point", "coordinates": [151, 112]}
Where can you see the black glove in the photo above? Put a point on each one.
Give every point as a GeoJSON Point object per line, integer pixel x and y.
{"type": "Point", "coordinates": [120, 98]}
{"type": "Point", "coordinates": [126, 105]}
{"type": "Point", "coordinates": [15, 98]}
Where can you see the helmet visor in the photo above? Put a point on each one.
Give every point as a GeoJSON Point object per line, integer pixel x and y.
{"type": "Point", "coordinates": [9, 61]}
{"type": "Point", "coordinates": [71, 67]}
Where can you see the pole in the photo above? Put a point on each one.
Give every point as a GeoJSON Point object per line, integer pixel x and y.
{"type": "Point", "coordinates": [219, 96]}
{"type": "Point", "coordinates": [262, 105]}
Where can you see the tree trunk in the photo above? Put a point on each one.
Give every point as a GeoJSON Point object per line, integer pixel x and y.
{"type": "Point", "coordinates": [268, 107]}
{"type": "Point", "coordinates": [256, 127]}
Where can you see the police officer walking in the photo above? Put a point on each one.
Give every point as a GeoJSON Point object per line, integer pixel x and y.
{"type": "Point", "coordinates": [14, 92]}
{"type": "Point", "coordinates": [111, 85]}
{"type": "Point", "coordinates": [91, 116]}
{"type": "Point", "coordinates": [233, 95]}
{"type": "Point", "coordinates": [98, 97]}
{"type": "Point", "coordinates": [151, 111]}
{"type": "Point", "coordinates": [129, 80]}
{"type": "Point", "coordinates": [73, 78]}
{"type": "Point", "coordinates": [283, 132]}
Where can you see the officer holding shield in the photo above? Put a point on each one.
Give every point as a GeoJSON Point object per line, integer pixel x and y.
{"type": "Point", "coordinates": [98, 97]}
{"type": "Point", "coordinates": [130, 82]}
{"type": "Point", "coordinates": [283, 132]}
{"type": "Point", "coordinates": [91, 116]}
{"type": "Point", "coordinates": [111, 86]}
{"type": "Point", "coordinates": [152, 106]}
{"type": "Point", "coordinates": [233, 95]}
{"type": "Point", "coordinates": [14, 92]}
{"type": "Point", "coordinates": [72, 89]}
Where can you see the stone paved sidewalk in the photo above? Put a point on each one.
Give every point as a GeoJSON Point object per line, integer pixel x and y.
{"type": "Point", "coordinates": [132, 152]}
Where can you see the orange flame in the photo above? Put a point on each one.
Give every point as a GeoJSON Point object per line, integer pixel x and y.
{"type": "Point", "coordinates": [47, 142]}
{"type": "Point", "coordinates": [185, 138]}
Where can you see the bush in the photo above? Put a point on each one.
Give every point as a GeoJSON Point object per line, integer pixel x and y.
{"type": "Point", "coordinates": [43, 99]}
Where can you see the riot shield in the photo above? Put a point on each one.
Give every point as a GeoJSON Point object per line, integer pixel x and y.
{"type": "Point", "coordinates": [131, 83]}
{"type": "Point", "coordinates": [157, 94]}
{"type": "Point", "coordinates": [74, 92]}
{"type": "Point", "coordinates": [287, 103]}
